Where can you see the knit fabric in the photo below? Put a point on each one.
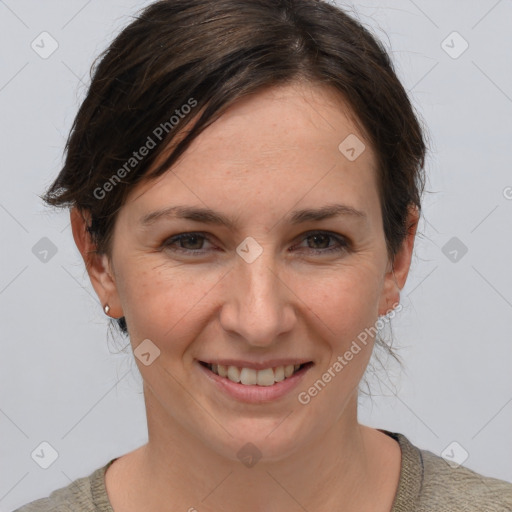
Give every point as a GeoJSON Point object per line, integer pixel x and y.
{"type": "Point", "coordinates": [427, 484]}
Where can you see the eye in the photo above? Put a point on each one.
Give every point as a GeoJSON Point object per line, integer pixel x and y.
{"type": "Point", "coordinates": [322, 238]}
{"type": "Point", "coordinates": [196, 243]}
{"type": "Point", "coordinates": [192, 243]}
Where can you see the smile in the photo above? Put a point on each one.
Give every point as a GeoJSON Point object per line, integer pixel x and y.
{"type": "Point", "coordinates": [253, 377]}
{"type": "Point", "coordinates": [255, 382]}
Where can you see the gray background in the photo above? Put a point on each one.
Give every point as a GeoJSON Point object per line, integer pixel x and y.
{"type": "Point", "coordinates": [66, 381]}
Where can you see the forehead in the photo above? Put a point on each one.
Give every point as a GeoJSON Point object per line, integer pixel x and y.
{"type": "Point", "coordinates": [281, 142]}
{"type": "Point", "coordinates": [281, 123]}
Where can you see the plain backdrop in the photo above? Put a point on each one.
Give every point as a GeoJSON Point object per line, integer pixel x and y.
{"type": "Point", "coordinates": [66, 382]}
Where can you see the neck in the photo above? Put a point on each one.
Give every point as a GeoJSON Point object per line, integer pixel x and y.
{"type": "Point", "coordinates": [342, 469]}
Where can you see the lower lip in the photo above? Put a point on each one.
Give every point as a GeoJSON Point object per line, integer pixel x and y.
{"type": "Point", "coordinates": [255, 394]}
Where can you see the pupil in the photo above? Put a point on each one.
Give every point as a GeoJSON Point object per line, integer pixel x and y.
{"type": "Point", "coordinates": [193, 237]}
{"type": "Point", "coordinates": [325, 237]}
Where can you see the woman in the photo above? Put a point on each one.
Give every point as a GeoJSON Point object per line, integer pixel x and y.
{"type": "Point", "coordinates": [245, 181]}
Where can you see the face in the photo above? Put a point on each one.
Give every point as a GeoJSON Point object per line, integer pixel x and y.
{"type": "Point", "coordinates": [272, 288]}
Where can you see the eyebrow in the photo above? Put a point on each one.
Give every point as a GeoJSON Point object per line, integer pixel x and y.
{"type": "Point", "coordinates": [208, 216]}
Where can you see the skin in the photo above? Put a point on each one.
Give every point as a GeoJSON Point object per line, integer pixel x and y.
{"type": "Point", "coordinates": [270, 153]}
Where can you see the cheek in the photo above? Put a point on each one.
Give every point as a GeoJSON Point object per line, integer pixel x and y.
{"type": "Point", "coordinates": [344, 307]}
{"type": "Point", "coordinates": [161, 301]}
{"type": "Point", "coordinates": [344, 300]}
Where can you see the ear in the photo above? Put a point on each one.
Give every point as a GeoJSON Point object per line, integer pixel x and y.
{"type": "Point", "coordinates": [396, 274]}
{"type": "Point", "coordinates": [97, 264]}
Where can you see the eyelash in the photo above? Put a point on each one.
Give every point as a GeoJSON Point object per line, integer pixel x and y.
{"type": "Point", "coordinates": [343, 246]}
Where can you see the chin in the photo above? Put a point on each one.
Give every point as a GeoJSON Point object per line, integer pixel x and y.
{"type": "Point", "coordinates": [259, 440]}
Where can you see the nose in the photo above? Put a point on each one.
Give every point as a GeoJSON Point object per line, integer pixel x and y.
{"type": "Point", "coordinates": [258, 306]}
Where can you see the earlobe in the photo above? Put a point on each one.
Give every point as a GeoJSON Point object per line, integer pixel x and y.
{"type": "Point", "coordinates": [97, 264]}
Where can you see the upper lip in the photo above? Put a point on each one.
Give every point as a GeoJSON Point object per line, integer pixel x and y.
{"type": "Point", "coordinates": [261, 365]}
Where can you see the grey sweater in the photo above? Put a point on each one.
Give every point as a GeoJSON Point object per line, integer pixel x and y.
{"type": "Point", "coordinates": [427, 484]}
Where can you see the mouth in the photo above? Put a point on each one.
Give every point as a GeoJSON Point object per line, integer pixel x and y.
{"type": "Point", "coordinates": [256, 377]}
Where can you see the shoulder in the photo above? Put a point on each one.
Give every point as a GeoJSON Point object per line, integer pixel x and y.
{"type": "Point", "coordinates": [84, 494]}
{"type": "Point", "coordinates": [460, 488]}
{"type": "Point", "coordinates": [430, 483]}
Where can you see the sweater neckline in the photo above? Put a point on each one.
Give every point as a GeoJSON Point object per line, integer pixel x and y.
{"type": "Point", "coordinates": [411, 474]}
{"type": "Point", "coordinates": [406, 497]}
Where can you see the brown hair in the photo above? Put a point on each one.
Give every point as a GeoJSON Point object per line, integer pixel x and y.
{"type": "Point", "coordinates": [179, 58]}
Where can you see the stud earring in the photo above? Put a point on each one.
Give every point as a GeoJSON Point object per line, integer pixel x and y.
{"type": "Point", "coordinates": [106, 308]}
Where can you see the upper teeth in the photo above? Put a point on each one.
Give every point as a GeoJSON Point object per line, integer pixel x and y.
{"type": "Point", "coordinates": [250, 377]}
